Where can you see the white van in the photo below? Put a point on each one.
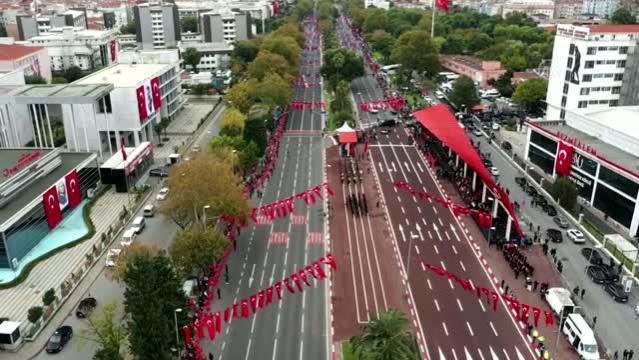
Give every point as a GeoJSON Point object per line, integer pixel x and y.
{"type": "Point", "coordinates": [581, 337]}
{"type": "Point", "coordinates": [128, 237]}
{"type": "Point", "coordinates": [148, 211]}
{"type": "Point", "coordinates": [138, 224]}
{"type": "Point", "coordinates": [560, 301]}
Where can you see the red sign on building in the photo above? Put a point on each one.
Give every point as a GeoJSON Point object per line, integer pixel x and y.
{"type": "Point", "coordinates": [25, 160]}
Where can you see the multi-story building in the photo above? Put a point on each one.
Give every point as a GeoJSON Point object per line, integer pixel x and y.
{"type": "Point", "coordinates": [30, 26]}
{"type": "Point", "coordinates": [603, 8]}
{"type": "Point", "coordinates": [225, 26]}
{"type": "Point", "coordinates": [532, 8]}
{"type": "Point", "coordinates": [589, 69]}
{"type": "Point", "coordinates": [259, 10]}
{"type": "Point", "coordinates": [31, 60]}
{"type": "Point", "coordinates": [157, 25]}
{"type": "Point", "coordinates": [568, 9]}
{"type": "Point", "coordinates": [70, 46]}
{"type": "Point", "coordinates": [214, 56]}
{"type": "Point", "coordinates": [477, 70]}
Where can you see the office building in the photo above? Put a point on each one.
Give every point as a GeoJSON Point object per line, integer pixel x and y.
{"type": "Point", "coordinates": [478, 70]}
{"type": "Point", "coordinates": [225, 26]}
{"type": "Point", "coordinates": [31, 60]}
{"type": "Point", "coordinates": [534, 8]}
{"type": "Point", "coordinates": [30, 26]}
{"type": "Point", "coordinates": [69, 46]}
{"type": "Point", "coordinates": [589, 69]}
{"type": "Point", "coordinates": [214, 56]}
{"type": "Point", "coordinates": [157, 25]}
{"type": "Point", "coordinates": [568, 9]}
{"type": "Point", "coordinates": [602, 8]}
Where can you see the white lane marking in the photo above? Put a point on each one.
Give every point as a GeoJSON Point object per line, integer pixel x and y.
{"type": "Point", "coordinates": [445, 328]}
{"type": "Point", "coordinates": [454, 249]}
{"type": "Point", "coordinates": [436, 304]}
{"type": "Point", "coordinates": [450, 282]}
{"type": "Point", "coordinates": [470, 329]}
{"type": "Point", "coordinates": [417, 249]}
{"type": "Point", "coordinates": [506, 354]}
{"type": "Point", "coordinates": [460, 305]}
{"type": "Point", "coordinates": [424, 221]}
{"type": "Point", "coordinates": [419, 210]}
{"type": "Point", "coordinates": [454, 354]}
{"type": "Point", "coordinates": [519, 355]}
{"type": "Point", "coordinates": [492, 353]}
{"type": "Point", "coordinates": [440, 221]}
{"type": "Point", "coordinates": [434, 209]}
{"type": "Point", "coordinates": [468, 357]}
{"type": "Point", "coordinates": [275, 348]}
{"type": "Point", "coordinates": [436, 250]}
{"type": "Point", "coordinates": [248, 349]}
{"type": "Point", "coordinates": [481, 304]}
{"type": "Point", "coordinates": [420, 167]}
{"type": "Point", "coordinates": [492, 327]}
{"type": "Point", "coordinates": [446, 233]}
{"type": "Point", "coordinates": [441, 354]}
{"type": "Point", "coordinates": [429, 234]}
{"type": "Point", "coordinates": [407, 167]}
{"type": "Point", "coordinates": [462, 265]}
{"type": "Point", "coordinates": [430, 287]}
{"type": "Point", "coordinates": [481, 355]}
{"type": "Point", "coordinates": [403, 211]}
{"type": "Point", "coordinates": [441, 262]}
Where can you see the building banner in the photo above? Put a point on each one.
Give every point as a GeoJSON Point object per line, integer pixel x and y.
{"type": "Point", "coordinates": [141, 103]}
{"type": "Point", "coordinates": [52, 207]}
{"type": "Point", "coordinates": [564, 159]}
{"type": "Point", "coordinates": [148, 98]}
{"type": "Point", "coordinates": [114, 50]}
{"type": "Point", "coordinates": [73, 189]}
{"type": "Point", "coordinates": [155, 88]}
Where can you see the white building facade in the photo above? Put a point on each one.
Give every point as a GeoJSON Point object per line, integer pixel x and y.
{"type": "Point", "coordinates": [532, 8]}
{"type": "Point", "coordinates": [589, 69]}
{"type": "Point", "coordinates": [603, 8]}
{"type": "Point", "coordinates": [214, 56]}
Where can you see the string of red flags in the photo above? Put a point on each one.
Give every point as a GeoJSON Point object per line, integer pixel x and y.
{"type": "Point", "coordinates": [286, 206]}
{"type": "Point", "coordinates": [295, 283]}
{"type": "Point", "coordinates": [484, 218]}
{"type": "Point", "coordinates": [394, 103]}
{"type": "Point", "coordinates": [300, 105]}
{"type": "Point", "coordinates": [521, 310]}
{"type": "Point", "coordinates": [301, 82]}
{"type": "Point", "coordinates": [270, 155]}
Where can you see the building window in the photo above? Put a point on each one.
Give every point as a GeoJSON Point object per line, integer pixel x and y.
{"type": "Point", "coordinates": [613, 103]}
{"type": "Point", "coordinates": [591, 50]}
{"type": "Point", "coordinates": [616, 90]}
{"type": "Point", "coordinates": [592, 102]}
{"type": "Point", "coordinates": [566, 88]}
{"type": "Point", "coordinates": [582, 105]}
{"type": "Point", "coordinates": [610, 62]}
{"type": "Point", "coordinates": [602, 48]}
{"type": "Point", "coordinates": [569, 63]}
{"type": "Point", "coordinates": [584, 91]}
{"type": "Point", "coordinates": [589, 64]}
{"type": "Point", "coordinates": [621, 63]}
{"type": "Point", "coordinates": [567, 75]}
{"type": "Point", "coordinates": [603, 102]}
{"type": "Point", "coordinates": [618, 77]}
{"type": "Point", "coordinates": [587, 78]}
{"type": "Point", "coordinates": [623, 49]}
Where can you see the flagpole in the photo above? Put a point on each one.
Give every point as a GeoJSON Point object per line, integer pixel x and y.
{"type": "Point", "coordinates": [432, 22]}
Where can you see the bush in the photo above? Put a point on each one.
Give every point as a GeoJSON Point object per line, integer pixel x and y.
{"type": "Point", "coordinates": [34, 314]}
{"type": "Point", "coordinates": [565, 192]}
{"type": "Point", "coordinates": [49, 297]}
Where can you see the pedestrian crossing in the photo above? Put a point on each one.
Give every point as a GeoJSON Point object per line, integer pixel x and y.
{"type": "Point", "coordinates": [299, 219]}
{"type": "Point", "coordinates": [264, 220]}
{"type": "Point", "coordinates": [491, 353]}
{"type": "Point", "coordinates": [315, 238]}
{"type": "Point", "coordinates": [279, 238]}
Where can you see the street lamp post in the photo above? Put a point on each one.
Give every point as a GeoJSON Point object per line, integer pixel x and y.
{"type": "Point", "coordinates": [204, 208]}
{"type": "Point", "coordinates": [177, 334]}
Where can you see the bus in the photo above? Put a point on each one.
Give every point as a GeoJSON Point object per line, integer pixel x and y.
{"type": "Point", "coordinates": [390, 69]}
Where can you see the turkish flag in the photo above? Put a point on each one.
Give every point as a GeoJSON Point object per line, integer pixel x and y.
{"type": "Point", "coordinates": [141, 104]}
{"type": "Point", "coordinates": [442, 4]}
{"type": "Point", "coordinates": [276, 7]}
{"type": "Point", "coordinates": [155, 88]}
{"type": "Point", "coordinates": [564, 159]}
{"type": "Point", "coordinates": [123, 149]}
{"type": "Point", "coordinates": [114, 50]}
{"type": "Point", "coordinates": [73, 189]}
{"type": "Point", "coordinates": [52, 207]}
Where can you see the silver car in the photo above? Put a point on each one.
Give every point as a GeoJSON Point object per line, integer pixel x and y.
{"type": "Point", "coordinates": [561, 222]}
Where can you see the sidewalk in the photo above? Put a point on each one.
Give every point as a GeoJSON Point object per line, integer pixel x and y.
{"type": "Point", "coordinates": [51, 273]}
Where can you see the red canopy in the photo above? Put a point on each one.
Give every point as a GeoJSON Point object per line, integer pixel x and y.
{"type": "Point", "coordinates": [442, 124]}
{"type": "Point", "coordinates": [349, 137]}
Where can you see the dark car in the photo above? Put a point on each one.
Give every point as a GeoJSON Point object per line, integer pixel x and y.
{"type": "Point", "coordinates": [506, 146]}
{"type": "Point", "coordinates": [550, 210]}
{"type": "Point", "coordinates": [554, 235]}
{"type": "Point", "coordinates": [617, 292]}
{"type": "Point", "coordinates": [611, 273]}
{"type": "Point", "coordinates": [159, 172]}
{"type": "Point", "coordinates": [521, 181]}
{"type": "Point", "coordinates": [488, 163]}
{"type": "Point", "coordinates": [593, 255]}
{"type": "Point", "coordinates": [597, 274]}
{"type": "Point", "coordinates": [59, 338]}
{"type": "Point", "coordinates": [86, 307]}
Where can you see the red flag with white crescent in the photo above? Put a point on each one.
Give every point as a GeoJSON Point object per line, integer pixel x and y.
{"type": "Point", "coordinates": [155, 88]}
{"type": "Point", "coordinates": [52, 209]}
{"type": "Point", "coordinates": [73, 189]}
{"type": "Point", "coordinates": [442, 4]}
{"type": "Point", "coordinates": [564, 159]}
{"type": "Point", "coordinates": [141, 103]}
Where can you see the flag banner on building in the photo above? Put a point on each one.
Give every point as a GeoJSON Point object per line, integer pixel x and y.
{"type": "Point", "coordinates": [155, 89]}
{"type": "Point", "coordinates": [114, 50]}
{"type": "Point", "coordinates": [564, 159]}
{"type": "Point", "coordinates": [123, 149]}
{"type": "Point", "coordinates": [520, 310]}
{"type": "Point", "coordinates": [276, 7]}
{"type": "Point", "coordinates": [142, 110]}
{"type": "Point", "coordinates": [35, 67]}
{"type": "Point", "coordinates": [442, 4]}
{"type": "Point", "coordinates": [484, 219]}
{"type": "Point", "coordinates": [51, 205]}
{"type": "Point", "coordinates": [73, 189]}
{"type": "Point", "coordinates": [148, 98]}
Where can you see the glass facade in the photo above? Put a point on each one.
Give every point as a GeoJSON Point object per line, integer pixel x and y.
{"type": "Point", "coordinates": [614, 205]}
{"type": "Point", "coordinates": [26, 233]}
{"type": "Point", "coordinates": [543, 142]}
{"type": "Point", "coordinates": [585, 184]}
{"type": "Point", "coordinates": [541, 159]}
{"type": "Point", "coordinates": [618, 181]}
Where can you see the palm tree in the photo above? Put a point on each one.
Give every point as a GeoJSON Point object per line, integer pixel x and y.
{"type": "Point", "coordinates": [385, 337]}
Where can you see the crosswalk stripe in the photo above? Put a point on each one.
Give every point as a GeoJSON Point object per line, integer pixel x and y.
{"type": "Point", "coordinates": [468, 357]}
{"type": "Point", "coordinates": [279, 238]}
{"type": "Point", "coordinates": [519, 355]}
{"type": "Point", "coordinates": [441, 354]}
{"type": "Point", "coordinates": [506, 354]}
{"type": "Point", "coordinates": [315, 238]}
{"type": "Point", "coordinates": [299, 220]}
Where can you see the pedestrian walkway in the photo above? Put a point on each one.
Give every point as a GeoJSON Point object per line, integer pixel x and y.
{"type": "Point", "coordinates": [189, 119]}
{"type": "Point", "coordinates": [52, 272]}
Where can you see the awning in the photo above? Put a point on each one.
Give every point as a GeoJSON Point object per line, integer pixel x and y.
{"type": "Point", "coordinates": [347, 135]}
{"type": "Point", "coordinates": [442, 124]}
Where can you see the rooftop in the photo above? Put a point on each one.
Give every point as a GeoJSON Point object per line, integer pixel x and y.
{"type": "Point", "coordinates": [14, 52]}
{"type": "Point", "coordinates": [59, 94]}
{"type": "Point", "coordinates": [466, 60]}
{"type": "Point", "coordinates": [9, 157]}
{"type": "Point", "coordinates": [36, 189]}
{"type": "Point", "coordinates": [123, 75]}
{"type": "Point", "coordinates": [608, 28]}
{"type": "Point", "coordinates": [75, 32]}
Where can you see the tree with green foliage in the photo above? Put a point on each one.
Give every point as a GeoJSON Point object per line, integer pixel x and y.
{"type": "Point", "coordinates": [414, 51]}
{"type": "Point", "coordinates": [341, 65]}
{"type": "Point", "coordinates": [344, 117]}
{"type": "Point", "coordinates": [341, 101]}
{"type": "Point", "coordinates": [59, 80]}
{"type": "Point", "coordinates": [382, 42]}
{"type": "Point", "coordinates": [239, 95]}
{"type": "Point", "coordinates": [564, 191]}
{"type": "Point", "coordinates": [189, 24]}
{"type": "Point", "coordinates": [503, 84]}
{"type": "Point", "coordinates": [192, 58]}
{"type": "Point", "coordinates": [246, 50]}
{"type": "Point", "coordinates": [233, 122]}
{"type": "Point", "coordinates": [530, 95]}
{"type": "Point", "coordinates": [49, 297]}
{"type": "Point", "coordinates": [283, 45]}
{"type": "Point", "coordinates": [302, 9]}
{"type": "Point", "coordinates": [108, 330]}
{"type": "Point", "coordinates": [375, 20]}
{"type": "Point", "coordinates": [479, 41]}
{"type": "Point", "coordinates": [128, 28]}
{"type": "Point", "coordinates": [255, 129]}
{"type": "Point", "coordinates": [623, 16]}
{"type": "Point", "coordinates": [464, 93]}
{"type": "Point", "coordinates": [195, 248]}
{"type": "Point", "coordinates": [34, 314]}
{"type": "Point", "coordinates": [152, 293]}
{"type": "Point", "coordinates": [73, 73]}
{"type": "Point", "coordinates": [200, 89]}
{"type": "Point", "coordinates": [248, 157]}
{"type": "Point", "coordinates": [267, 62]}
{"type": "Point", "coordinates": [386, 336]}
{"type": "Point", "coordinates": [34, 80]}
{"type": "Point", "coordinates": [273, 90]}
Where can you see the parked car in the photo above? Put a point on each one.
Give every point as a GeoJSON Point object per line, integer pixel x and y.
{"type": "Point", "coordinates": [612, 274]}
{"type": "Point", "coordinates": [593, 255]}
{"type": "Point", "coordinates": [554, 235]}
{"type": "Point", "coordinates": [477, 132]}
{"type": "Point", "coordinates": [488, 163]}
{"type": "Point", "coordinates": [617, 292]}
{"type": "Point", "coordinates": [576, 236]}
{"type": "Point", "coordinates": [59, 338]}
{"type": "Point", "coordinates": [596, 274]}
{"type": "Point", "coordinates": [162, 194]}
{"type": "Point", "coordinates": [158, 172]}
{"type": "Point", "coordinates": [495, 126]}
{"type": "Point", "coordinates": [86, 307]}
{"type": "Point", "coordinates": [494, 171]}
{"type": "Point", "coordinates": [112, 257]}
{"type": "Point", "coordinates": [521, 181]}
{"type": "Point", "coordinates": [561, 222]}
{"type": "Point", "coordinates": [550, 210]}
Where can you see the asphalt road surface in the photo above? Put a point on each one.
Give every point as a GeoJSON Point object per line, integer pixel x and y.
{"type": "Point", "coordinates": [295, 328]}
